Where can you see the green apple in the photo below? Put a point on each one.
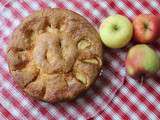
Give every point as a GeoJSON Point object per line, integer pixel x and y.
{"type": "Point", "coordinates": [116, 31]}
{"type": "Point", "coordinates": [142, 60]}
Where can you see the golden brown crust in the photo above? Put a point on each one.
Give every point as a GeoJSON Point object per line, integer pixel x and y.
{"type": "Point", "coordinates": [55, 54]}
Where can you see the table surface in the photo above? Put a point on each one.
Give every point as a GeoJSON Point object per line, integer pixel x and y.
{"type": "Point", "coordinates": [114, 95]}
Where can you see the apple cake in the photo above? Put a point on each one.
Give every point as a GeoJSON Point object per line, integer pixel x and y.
{"type": "Point", "coordinates": [54, 55]}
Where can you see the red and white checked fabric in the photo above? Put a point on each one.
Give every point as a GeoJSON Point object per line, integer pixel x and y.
{"type": "Point", "coordinates": [114, 95]}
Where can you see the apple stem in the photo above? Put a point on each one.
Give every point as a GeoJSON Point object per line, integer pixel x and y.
{"type": "Point", "coordinates": [142, 79]}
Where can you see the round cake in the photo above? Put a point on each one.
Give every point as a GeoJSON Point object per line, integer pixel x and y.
{"type": "Point", "coordinates": [54, 55]}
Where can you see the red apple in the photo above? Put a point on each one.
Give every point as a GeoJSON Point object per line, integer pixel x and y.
{"type": "Point", "coordinates": [142, 60]}
{"type": "Point", "coordinates": [146, 28]}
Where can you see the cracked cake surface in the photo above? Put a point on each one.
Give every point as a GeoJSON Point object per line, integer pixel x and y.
{"type": "Point", "coordinates": [54, 55]}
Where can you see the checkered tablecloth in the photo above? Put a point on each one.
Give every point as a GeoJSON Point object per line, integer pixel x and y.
{"type": "Point", "coordinates": [114, 95]}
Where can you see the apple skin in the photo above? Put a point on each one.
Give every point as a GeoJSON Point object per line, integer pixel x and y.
{"type": "Point", "coordinates": [159, 26]}
{"type": "Point", "coordinates": [146, 28]}
{"type": "Point", "coordinates": [142, 59]}
{"type": "Point", "coordinates": [116, 31]}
